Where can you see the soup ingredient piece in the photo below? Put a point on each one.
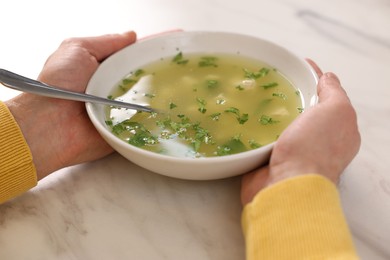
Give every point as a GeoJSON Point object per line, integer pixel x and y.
{"type": "Point", "coordinates": [139, 72]}
{"type": "Point", "coordinates": [208, 61]}
{"type": "Point", "coordinates": [149, 95]}
{"type": "Point", "coordinates": [239, 87]}
{"type": "Point", "coordinates": [257, 74]}
{"type": "Point", "coordinates": [270, 85]}
{"type": "Point", "coordinates": [201, 136]}
{"type": "Point", "coordinates": [240, 118]}
{"type": "Point", "coordinates": [172, 105]}
{"type": "Point", "coordinates": [139, 135]}
{"type": "Point", "coordinates": [215, 116]}
{"type": "Point", "coordinates": [131, 80]}
{"type": "Point", "coordinates": [253, 144]}
{"type": "Point", "coordinates": [179, 59]}
{"type": "Point", "coordinates": [212, 83]}
{"type": "Point", "coordinates": [190, 132]}
{"type": "Point", "coordinates": [233, 146]}
{"type": "Point", "coordinates": [202, 105]}
{"type": "Point", "coordinates": [280, 95]}
{"type": "Point", "coordinates": [267, 120]}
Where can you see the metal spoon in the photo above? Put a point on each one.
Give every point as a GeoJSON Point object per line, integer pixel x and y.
{"type": "Point", "coordinates": [18, 82]}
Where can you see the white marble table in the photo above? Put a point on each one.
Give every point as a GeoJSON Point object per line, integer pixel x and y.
{"type": "Point", "coordinates": [113, 209]}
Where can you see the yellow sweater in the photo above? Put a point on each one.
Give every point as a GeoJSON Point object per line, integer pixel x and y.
{"type": "Point", "coordinates": [300, 218]}
{"type": "Point", "coordinates": [17, 171]}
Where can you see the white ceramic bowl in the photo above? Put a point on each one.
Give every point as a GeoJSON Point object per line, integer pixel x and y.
{"type": "Point", "coordinates": [149, 50]}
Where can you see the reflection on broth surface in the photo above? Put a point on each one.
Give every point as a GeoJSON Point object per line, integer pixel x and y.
{"type": "Point", "coordinates": [213, 105]}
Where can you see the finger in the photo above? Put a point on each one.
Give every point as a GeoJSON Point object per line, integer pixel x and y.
{"type": "Point", "coordinates": [315, 67]}
{"type": "Point", "coordinates": [103, 46]}
{"type": "Point", "coordinates": [329, 87]}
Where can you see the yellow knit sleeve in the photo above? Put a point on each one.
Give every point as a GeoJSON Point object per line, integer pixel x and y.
{"type": "Point", "coordinates": [299, 218]}
{"type": "Point", "coordinates": [17, 170]}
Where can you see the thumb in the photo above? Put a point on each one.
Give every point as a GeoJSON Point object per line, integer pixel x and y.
{"type": "Point", "coordinates": [103, 46]}
{"type": "Point", "coordinates": [329, 88]}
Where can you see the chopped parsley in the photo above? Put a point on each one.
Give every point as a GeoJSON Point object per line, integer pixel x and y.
{"type": "Point", "coordinates": [280, 95]}
{"type": "Point", "coordinates": [211, 83]}
{"type": "Point", "coordinates": [202, 105]}
{"type": "Point", "coordinates": [256, 74]}
{"type": "Point", "coordinates": [270, 85]}
{"type": "Point", "coordinates": [233, 146]}
{"type": "Point", "coordinates": [241, 118]}
{"type": "Point", "coordinates": [267, 120]}
{"type": "Point", "coordinates": [139, 135]}
{"type": "Point", "coordinates": [239, 87]}
{"type": "Point", "coordinates": [208, 61]}
{"type": "Point", "coordinates": [128, 81]}
{"type": "Point", "coordinates": [215, 116]}
{"type": "Point", "coordinates": [253, 144]}
{"type": "Point", "coordinates": [179, 59]}
{"type": "Point", "coordinates": [139, 72]}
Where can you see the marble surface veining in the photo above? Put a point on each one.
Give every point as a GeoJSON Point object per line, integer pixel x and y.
{"type": "Point", "coordinates": [113, 209]}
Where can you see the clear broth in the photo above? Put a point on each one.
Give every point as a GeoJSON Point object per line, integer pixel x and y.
{"type": "Point", "coordinates": [213, 105]}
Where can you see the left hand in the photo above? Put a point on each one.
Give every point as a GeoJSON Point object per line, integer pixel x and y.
{"type": "Point", "coordinates": [59, 132]}
{"type": "Point", "coordinates": [312, 143]}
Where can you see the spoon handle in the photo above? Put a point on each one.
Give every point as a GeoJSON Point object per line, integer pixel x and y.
{"type": "Point", "coordinates": [18, 82]}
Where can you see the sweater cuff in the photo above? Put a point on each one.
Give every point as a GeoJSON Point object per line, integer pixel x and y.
{"type": "Point", "coordinates": [17, 170]}
{"type": "Point", "coordinates": [298, 218]}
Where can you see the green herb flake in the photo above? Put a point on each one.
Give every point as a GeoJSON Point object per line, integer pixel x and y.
{"type": "Point", "coordinates": [270, 85]}
{"type": "Point", "coordinates": [239, 87]}
{"type": "Point", "coordinates": [300, 110]}
{"type": "Point", "coordinates": [108, 122]}
{"type": "Point", "coordinates": [140, 136]}
{"type": "Point", "coordinates": [208, 61]}
{"type": "Point", "coordinates": [128, 81]}
{"type": "Point", "coordinates": [233, 110]}
{"type": "Point", "coordinates": [123, 88]}
{"type": "Point", "coordinates": [233, 146]}
{"type": "Point", "coordinates": [267, 120]}
{"type": "Point", "coordinates": [257, 74]}
{"type": "Point", "coordinates": [202, 105]}
{"type": "Point", "coordinates": [240, 118]}
{"type": "Point", "coordinates": [280, 95]}
{"type": "Point", "coordinates": [215, 116]}
{"type": "Point", "coordinates": [211, 84]}
{"type": "Point", "coordinates": [139, 72]}
{"type": "Point", "coordinates": [172, 105]}
{"type": "Point", "coordinates": [149, 95]}
{"type": "Point", "coordinates": [179, 59]}
{"type": "Point", "coordinates": [253, 144]}
{"type": "Point", "coordinates": [243, 119]}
